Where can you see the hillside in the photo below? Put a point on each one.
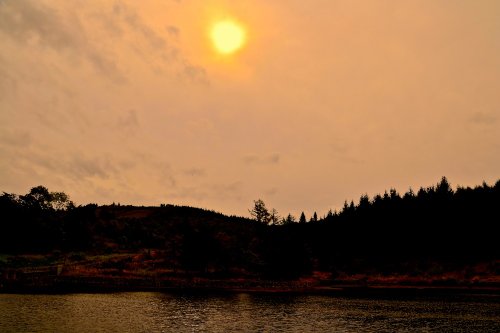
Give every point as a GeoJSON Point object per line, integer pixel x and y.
{"type": "Point", "coordinates": [435, 237]}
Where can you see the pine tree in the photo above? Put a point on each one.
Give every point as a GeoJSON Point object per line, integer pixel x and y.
{"type": "Point", "coordinates": [302, 218]}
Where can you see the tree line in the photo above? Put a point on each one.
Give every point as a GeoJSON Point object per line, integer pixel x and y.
{"type": "Point", "coordinates": [435, 228]}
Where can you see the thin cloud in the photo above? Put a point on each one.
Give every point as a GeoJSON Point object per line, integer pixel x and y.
{"type": "Point", "coordinates": [271, 192]}
{"type": "Point", "coordinates": [166, 49]}
{"type": "Point", "coordinates": [26, 22]}
{"type": "Point", "coordinates": [344, 153]}
{"type": "Point", "coordinates": [106, 67]}
{"type": "Point", "coordinates": [154, 40]}
{"type": "Point", "coordinates": [31, 20]}
{"type": "Point", "coordinates": [187, 192]}
{"type": "Point", "coordinates": [16, 139]}
{"type": "Point", "coordinates": [266, 159]}
{"type": "Point", "coordinates": [195, 74]}
{"type": "Point", "coordinates": [84, 167]}
{"type": "Point", "coordinates": [483, 118]}
{"type": "Point", "coordinates": [173, 31]}
{"type": "Point", "coordinates": [8, 82]}
{"type": "Point", "coordinates": [128, 123]}
{"type": "Point", "coordinates": [227, 191]}
{"type": "Point", "coordinates": [195, 172]}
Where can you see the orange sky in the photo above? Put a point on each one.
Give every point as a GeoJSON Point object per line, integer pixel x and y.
{"type": "Point", "coordinates": [127, 102]}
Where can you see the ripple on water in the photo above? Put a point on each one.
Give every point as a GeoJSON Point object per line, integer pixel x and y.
{"type": "Point", "coordinates": [159, 312]}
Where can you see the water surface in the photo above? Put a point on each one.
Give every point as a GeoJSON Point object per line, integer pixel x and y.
{"type": "Point", "coordinates": [160, 312]}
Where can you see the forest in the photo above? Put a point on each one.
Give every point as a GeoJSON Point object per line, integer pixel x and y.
{"type": "Point", "coordinates": [436, 231]}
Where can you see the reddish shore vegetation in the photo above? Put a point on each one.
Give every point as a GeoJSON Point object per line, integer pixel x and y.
{"type": "Point", "coordinates": [147, 271]}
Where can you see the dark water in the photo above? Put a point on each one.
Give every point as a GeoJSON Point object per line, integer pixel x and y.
{"type": "Point", "coordinates": [157, 312]}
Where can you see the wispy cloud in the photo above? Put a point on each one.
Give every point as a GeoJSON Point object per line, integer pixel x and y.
{"type": "Point", "coordinates": [128, 123]}
{"type": "Point", "coordinates": [483, 118]}
{"type": "Point", "coordinates": [273, 158]}
{"type": "Point", "coordinates": [173, 31]}
{"type": "Point", "coordinates": [83, 167]}
{"type": "Point", "coordinates": [35, 23]}
{"type": "Point", "coordinates": [44, 24]}
{"type": "Point", "coordinates": [195, 74]}
{"type": "Point", "coordinates": [15, 139]}
{"type": "Point", "coordinates": [195, 172]}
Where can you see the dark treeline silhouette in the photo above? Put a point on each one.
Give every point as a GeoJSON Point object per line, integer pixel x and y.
{"type": "Point", "coordinates": [435, 229]}
{"type": "Point", "coordinates": [413, 231]}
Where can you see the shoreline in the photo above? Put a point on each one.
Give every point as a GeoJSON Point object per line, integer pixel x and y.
{"type": "Point", "coordinates": [64, 285]}
{"type": "Point", "coordinates": [124, 272]}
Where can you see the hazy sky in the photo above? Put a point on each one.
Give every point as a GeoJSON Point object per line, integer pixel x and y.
{"type": "Point", "coordinates": [127, 101]}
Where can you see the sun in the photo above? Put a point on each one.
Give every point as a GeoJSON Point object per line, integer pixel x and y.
{"type": "Point", "coordinates": [228, 36]}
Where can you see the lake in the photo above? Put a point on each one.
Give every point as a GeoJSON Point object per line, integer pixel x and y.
{"type": "Point", "coordinates": [163, 312]}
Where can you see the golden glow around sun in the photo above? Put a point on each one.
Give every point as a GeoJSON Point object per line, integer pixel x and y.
{"type": "Point", "coordinates": [228, 36]}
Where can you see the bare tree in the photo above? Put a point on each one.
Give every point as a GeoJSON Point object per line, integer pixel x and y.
{"type": "Point", "coordinates": [274, 217]}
